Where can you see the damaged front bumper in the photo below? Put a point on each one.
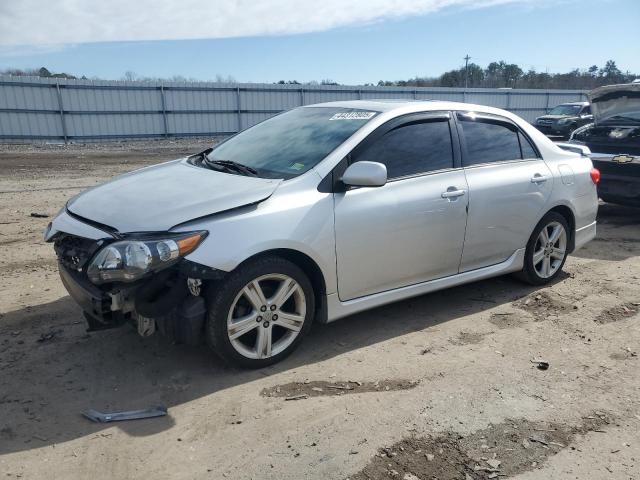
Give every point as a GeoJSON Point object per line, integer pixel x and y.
{"type": "Point", "coordinates": [102, 310]}
{"type": "Point", "coordinates": [169, 301]}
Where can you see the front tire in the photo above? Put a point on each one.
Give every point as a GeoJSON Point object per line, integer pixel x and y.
{"type": "Point", "coordinates": [260, 312]}
{"type": "Point", "coordinates": [546, 251]}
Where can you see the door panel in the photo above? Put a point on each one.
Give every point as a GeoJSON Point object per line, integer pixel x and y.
{"type": "Point", "coordinates": [504, 205]}
{"type": "Point", "coordinates": [509, 185]}
{"type": "Point", "coordinates": [400, 234]}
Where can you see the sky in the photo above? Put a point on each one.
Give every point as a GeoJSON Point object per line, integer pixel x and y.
{"type": "Point", "coordinates": [348, 41]}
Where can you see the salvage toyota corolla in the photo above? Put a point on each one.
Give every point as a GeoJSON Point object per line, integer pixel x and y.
{"type": "Point", "coordinates": [318, 213]}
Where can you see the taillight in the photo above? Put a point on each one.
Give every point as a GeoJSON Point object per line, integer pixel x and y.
{"type": "Point", "coordinates": [595, 176]}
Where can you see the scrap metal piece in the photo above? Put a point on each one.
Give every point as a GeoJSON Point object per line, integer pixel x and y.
{"type": "Point", "coordinates": [194, 285]}
{"type": "Point", "coordinates": [146, 326]}
{"type": "Point", "coordinates": [103, 417]}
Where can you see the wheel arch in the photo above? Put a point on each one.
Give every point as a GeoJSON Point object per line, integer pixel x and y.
{"type": "Point", "coordinates": [310, 268]}
{"type": "Point", "coordinates": [569, 216]}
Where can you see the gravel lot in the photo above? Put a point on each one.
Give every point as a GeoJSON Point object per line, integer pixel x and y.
{"type": "Point", "coordinates": [441, 386]}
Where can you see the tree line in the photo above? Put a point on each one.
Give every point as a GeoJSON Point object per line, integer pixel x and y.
{"type": "Point", "coordinates": [510, 75]}
{"type": "Point", "coordinates": [498, 74]}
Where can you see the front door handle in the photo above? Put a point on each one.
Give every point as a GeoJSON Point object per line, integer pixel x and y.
{"type": "Point", "coordinates": [452, 192]}
{"type": "Point", "coordinates": [537, 178]}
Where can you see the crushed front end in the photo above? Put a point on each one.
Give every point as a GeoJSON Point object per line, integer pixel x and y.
{"type": "Point", "coordinates": [141, 279]}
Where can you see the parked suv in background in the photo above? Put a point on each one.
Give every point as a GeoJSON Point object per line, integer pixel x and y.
{"type": "Point", "coordinates": [318, 213]}
{"type": "Point", "coordinates": [564, 119]}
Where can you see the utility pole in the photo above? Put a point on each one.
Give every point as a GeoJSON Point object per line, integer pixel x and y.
{"type": "Point", "coordinates": [466, 70]}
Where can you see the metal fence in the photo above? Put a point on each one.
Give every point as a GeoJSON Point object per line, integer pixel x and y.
{"type": "Point", "coordinates": [42, 109]}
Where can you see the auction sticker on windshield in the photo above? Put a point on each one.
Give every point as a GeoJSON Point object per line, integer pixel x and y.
{"type": "Point", "coordinates": [353, 116]}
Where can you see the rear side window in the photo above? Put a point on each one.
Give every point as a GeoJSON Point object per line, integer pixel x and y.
{"type": "Point", "coordinates": [412, 149]}
{"type": "Point", "coordinates": [489, 141]}
{"type": "Point", "coordinates": [527, 149]}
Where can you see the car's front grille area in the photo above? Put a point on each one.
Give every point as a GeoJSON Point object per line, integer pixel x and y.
{"type": "Point", "coordinates": [75, 252]}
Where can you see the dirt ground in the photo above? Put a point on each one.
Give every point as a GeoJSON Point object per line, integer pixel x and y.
{"type": "Point", "coordinates": [449, 385]}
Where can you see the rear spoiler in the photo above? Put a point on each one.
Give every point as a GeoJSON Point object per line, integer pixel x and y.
{"type": "Point", "coordinates": [572, 147]}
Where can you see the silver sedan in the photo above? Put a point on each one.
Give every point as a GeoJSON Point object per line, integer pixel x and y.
{"type": "Point", "coordinates": [318, 213]}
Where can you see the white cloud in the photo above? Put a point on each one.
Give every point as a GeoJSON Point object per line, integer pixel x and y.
{"type": "Point", "coordinates": [54, 22]}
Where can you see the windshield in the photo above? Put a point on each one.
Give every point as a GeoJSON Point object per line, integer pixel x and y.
{"type": "Point", "coordinates": [293, 142]}
{"type": "Point", "coordinates": [565, 110]}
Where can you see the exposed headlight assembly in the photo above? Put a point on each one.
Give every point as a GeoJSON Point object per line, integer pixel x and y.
{"type": "Point", "coordinates": [130, 260]}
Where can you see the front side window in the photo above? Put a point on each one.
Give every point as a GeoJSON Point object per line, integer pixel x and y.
{"type": "Point", "coordinates": [412, 149]}
{"type": "Point", "coordinates": [293, 142]}
{"type": "Point", "coordinates": [586, 110]}
{"type": "Point", "coordinates": [489, 141]}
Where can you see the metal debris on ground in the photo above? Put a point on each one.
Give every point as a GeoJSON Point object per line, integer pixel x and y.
{"type": "Point", "coordinates": [540, 364]}
{"type": "Point", "coordinates": [39, 215]}
{"type": "Point", "coordinates": [103, 417]}
{"type": "Point", "coordinates": [45, 337]}
{"type": "Point", "coordinates": [539, 439]}
{"type": "Point", "coordinates": [297, 397]}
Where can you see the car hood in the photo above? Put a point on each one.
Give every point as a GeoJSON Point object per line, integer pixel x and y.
{"type": "Point", "coordinates": [613, 100]}
{"type": "Point", "coordinates": [162, 196]}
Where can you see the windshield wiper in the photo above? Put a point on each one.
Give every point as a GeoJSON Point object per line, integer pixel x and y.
{"type": "Point", "coordinates": [232, 166]}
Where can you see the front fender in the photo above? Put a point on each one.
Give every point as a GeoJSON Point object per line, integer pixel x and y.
{"type": "Point", "coordinates": [295, 220]}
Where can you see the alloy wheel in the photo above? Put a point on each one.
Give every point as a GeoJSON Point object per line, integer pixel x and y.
{"type": "Point", "coordinates": [550, 249]}
{"type": "Point", "coordinates": [266, 316]}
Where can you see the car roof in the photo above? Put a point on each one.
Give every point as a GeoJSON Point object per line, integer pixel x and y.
{"type": "Point", "coordinates": [575, 103]}
{"type": "Point", "coordinates": [391, 104]}
{"type": "Point", "coordinates": [388, 104]}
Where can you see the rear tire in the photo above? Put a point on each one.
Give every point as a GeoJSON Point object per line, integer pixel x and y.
{"type": "Point", "coordinates": [260, 312]}
{"type": "Point", "coordinates": [546, 251]}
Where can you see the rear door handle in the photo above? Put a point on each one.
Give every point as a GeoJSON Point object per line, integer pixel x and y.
{"type": "Point", "coordinates": [537, 178]}
{"type": "Point", "coordinates": [452, 193]}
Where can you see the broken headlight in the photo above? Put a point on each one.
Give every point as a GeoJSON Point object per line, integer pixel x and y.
{"type": "Point", "coordinates": [130, 260]}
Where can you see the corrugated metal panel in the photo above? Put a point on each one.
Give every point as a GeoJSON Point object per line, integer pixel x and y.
{"type": "Point", "coordinates": [29, 125]}
{"type": "Point", "coordinates": [250, 119]}
{"type": "Point", "coordinates": [270, 100]}
{"type": "Point", "coordinates": [200, 100]}
{"type": "Point", "coordinates": [113, 125]}
{"type": "Point", "coordinates": [30, 108]}
{"type": "Point", "coordinates": [29, 98]}
{"type": "Point", "coordinates": [207, 123]}
{"type": "Point", "coordinates": [86, 99]}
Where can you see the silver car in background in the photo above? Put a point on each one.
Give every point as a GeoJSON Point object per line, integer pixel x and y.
{"type": "Point", "coordinates": [318, 213]}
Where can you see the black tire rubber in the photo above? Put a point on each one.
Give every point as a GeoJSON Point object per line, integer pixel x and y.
{"type": "Point", "coordinates": [222, 294]}
{"type": "Point", "coordinates": [528, 273]}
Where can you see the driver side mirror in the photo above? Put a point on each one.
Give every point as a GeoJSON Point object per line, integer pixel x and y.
{"type": "Point", "coordinates": [365, 174]}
